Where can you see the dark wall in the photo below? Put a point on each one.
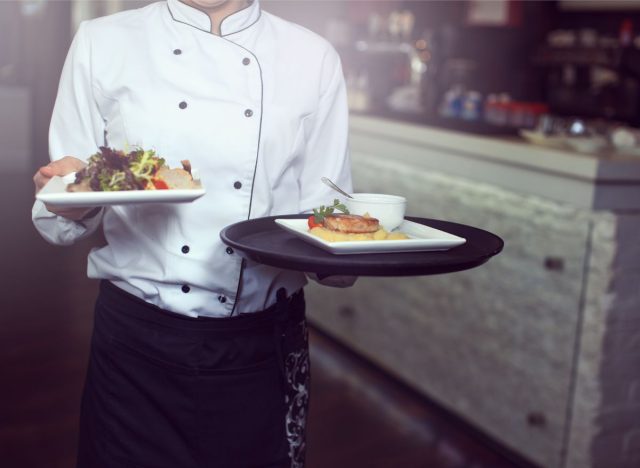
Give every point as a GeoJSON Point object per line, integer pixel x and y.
{"type": "Point", "coordinates": [33, 45]}
{"type": "Point", "coordinates": [11, 42]}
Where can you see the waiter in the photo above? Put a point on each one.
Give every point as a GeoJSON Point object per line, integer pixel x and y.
{"type": "Point", "coordinates": [198, 358]}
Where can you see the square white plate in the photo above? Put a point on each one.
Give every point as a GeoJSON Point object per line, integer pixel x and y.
{"type": "Point", "coordinates": [55, 193]}
{"type": "Point", "coordinates": [421, 238]}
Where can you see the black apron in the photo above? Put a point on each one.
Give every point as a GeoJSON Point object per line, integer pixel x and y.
{"type": "Point", "coordinates": [170, 391]}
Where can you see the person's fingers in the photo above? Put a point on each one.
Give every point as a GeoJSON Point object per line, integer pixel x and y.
{"type": "Point", "coordinates": [47, 171]}
{"type": "Point", "coordinates": [72, 164]}
{"type": "Point", "coordinates": [43, 175]}
{"type": "Point", "coordinates": [41, 178]}
{"type": "Point", "coordinates": [61, 167]}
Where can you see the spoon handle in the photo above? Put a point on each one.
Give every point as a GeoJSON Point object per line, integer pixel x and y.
{"type": "Point", "coordinates": [334, 187]}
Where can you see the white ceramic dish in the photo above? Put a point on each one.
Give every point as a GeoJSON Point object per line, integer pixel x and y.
{"type": "Point", "coordinates": [55, 193]}
{"type": "Point", "coordinates": [541, 139]}
{"type": "Point", "coordinates": [422, 238]}
{"type": "Point", "coordinates": [588, 145]}
{"type": "Point", "coordinates": [388, 209]}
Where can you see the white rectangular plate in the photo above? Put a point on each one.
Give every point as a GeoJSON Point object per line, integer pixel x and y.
{"type": "Point", "coordinates": [421, 238]}
{"type": "Point", "coordinates": [55, 193]}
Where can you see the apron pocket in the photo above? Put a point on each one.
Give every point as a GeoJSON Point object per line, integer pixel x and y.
{"type": "Point", "coordinates": [242, 418]}
{"type": "Point", "coordinates": [234, 416]}
{"type": "Point", "coordinates": [150, 410]}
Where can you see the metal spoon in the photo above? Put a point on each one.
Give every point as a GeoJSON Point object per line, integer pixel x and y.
{"type": "Point", "coordinates": [334, 187]}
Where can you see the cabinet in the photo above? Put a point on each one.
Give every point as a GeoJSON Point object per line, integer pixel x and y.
{"type": "Point", "coordinates": [494, 344]}
{"type": "Point", "coordinates": [540, 347]}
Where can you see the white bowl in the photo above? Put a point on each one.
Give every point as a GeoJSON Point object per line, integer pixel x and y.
{"type": "Point", "coordinates": [388, 209]}
{"type": "Point", "coordinates": [539, 138]}
{"type": "Point", "coordinates": [587, 144]}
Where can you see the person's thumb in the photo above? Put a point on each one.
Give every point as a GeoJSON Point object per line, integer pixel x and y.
{"type": "Point", "coordinates": [47, 171]}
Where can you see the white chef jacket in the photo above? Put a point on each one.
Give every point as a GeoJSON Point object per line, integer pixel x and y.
{"type": "Point", "coordinates": [261, 113]}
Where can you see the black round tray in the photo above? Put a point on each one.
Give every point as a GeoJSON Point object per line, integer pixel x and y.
{"type": "Point", "coordinates": [263, 241]}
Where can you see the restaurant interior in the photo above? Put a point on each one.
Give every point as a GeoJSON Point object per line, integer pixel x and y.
{"type": "Point", "coordinates": [521, 118]}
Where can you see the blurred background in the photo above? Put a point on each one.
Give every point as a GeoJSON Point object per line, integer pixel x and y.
{"type": "Point", "coordinates": [519, 117]}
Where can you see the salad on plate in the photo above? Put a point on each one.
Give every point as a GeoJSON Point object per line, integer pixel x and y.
{"type": "Point", "coordinates": [111, 170]}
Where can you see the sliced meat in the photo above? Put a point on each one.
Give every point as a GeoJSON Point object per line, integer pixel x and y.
{"type": "Point", "coordinates": [176, 178]}
{"type": "Point", "coordinates": [350, 223]}
{"type": "Point", "coordinates": [186, 165]}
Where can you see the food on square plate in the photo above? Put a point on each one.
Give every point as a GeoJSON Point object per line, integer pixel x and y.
{"type": "Point", "coordinates": [347, 227]}
{"type": "Point", "coordinates": [112, 170]}
{"type": "Point", "coordinates": [331, 235]}
{"type": "Point", "coordinates": [317, 218]}
{"type": "Point", "coordinates": [348, 223]}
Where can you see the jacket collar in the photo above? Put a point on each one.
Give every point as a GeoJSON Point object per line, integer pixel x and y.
{"type": "Point", "coordinates": [232, 24]}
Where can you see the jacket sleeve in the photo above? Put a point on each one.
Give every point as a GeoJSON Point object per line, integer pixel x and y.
{"type": "Point", "coordinates": [327, 152]}
{"type": "Point", "coordinates": [77, 129]}
{"type": "Point", "coordinates": [327, 146]}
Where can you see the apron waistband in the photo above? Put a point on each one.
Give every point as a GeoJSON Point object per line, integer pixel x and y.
{"type": "Point", "coordinates": [287, 308]}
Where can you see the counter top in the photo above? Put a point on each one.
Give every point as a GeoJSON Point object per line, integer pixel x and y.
{"type": "Point", "coordinates": [606, 182]}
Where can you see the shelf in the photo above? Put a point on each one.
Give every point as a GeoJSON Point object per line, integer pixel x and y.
{"type": "Point", "coordinates": [625, 60]}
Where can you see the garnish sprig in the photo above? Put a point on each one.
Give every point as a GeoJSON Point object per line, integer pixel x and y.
{"type": "Point", "coordinates": [320, 213]}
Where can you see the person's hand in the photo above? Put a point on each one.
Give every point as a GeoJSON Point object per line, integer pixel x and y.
{"type": "Point", "coordinates": [334, 281]}
{"type": "Point", "coordinates": [61, 167]}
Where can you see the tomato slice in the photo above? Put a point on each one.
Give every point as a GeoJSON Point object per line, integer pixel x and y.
{"type": "Point", "coordinates": [311, 221]}
{"type": "Point", "coordinates": [160, 184]}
